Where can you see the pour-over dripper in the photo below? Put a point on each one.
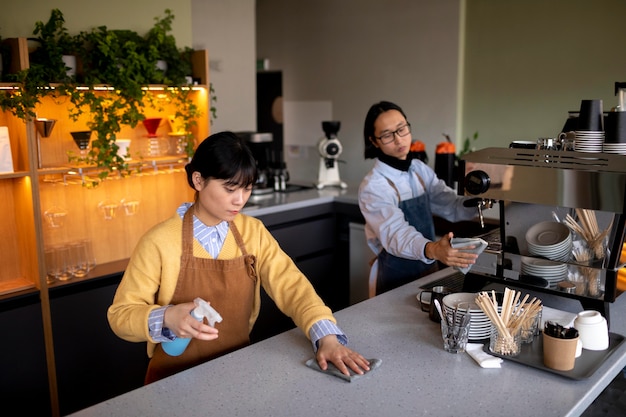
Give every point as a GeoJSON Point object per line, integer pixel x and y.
{"type": "Point", "coordinates": [81, 139]}
{"type": "Point", "coordinates": [44, 126]}
{"type": "Point", "coordinates": [44, 129]}
{"type": "Point", "coordinates": [152, 124]}
{"type": "Point", "coordinates": [156, 146]}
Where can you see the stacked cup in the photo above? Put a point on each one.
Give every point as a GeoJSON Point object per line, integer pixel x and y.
{"type": "Point", "coordinates": [615, 133]}
{"type": "Point", "coordinates": [590, 127]}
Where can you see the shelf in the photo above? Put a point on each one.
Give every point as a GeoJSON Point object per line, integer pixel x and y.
{"type": "Point", "coordinates": [46, 187]}
{"type": "Point", "coordinates": [11, 175]}
{"type": "Point", "coordinates": [15, 285]}
{"type": "Point", "coordinates": [139, 165]}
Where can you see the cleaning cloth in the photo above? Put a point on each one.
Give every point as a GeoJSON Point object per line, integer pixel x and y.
{"type": "Point", "coordinates": [478, 244]}
{"type": "Point", "coordinates": [332, 369]}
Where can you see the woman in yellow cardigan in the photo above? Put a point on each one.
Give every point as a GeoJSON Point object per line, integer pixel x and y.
{"type": "Point", "coordinates": [208, 249]}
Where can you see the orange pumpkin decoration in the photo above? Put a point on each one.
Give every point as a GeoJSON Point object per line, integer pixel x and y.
{"type": "Point", "coordinates": [445, 147]}
{"type": "Point", "coordinates": [417, 146]}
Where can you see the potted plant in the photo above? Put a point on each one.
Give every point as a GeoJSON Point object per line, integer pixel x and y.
{"type": "Point", "coordinates": [161, 47]}
{"type": "Point", "coordinates": [50, 61]}
{"type": "Point", "coordinates": [118, 65]}
{"type": "Point", "coordinates": [126, 62]}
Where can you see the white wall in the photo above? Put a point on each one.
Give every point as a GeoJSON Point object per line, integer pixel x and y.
{"type": "Point", "coordinates": [354, 53]}
{"type": "Point", "coordinates": [18, 17]}
{"type": "Point", "coordinates": [529, 62]}
{"type": "Point", "coordinates": [227, 30]}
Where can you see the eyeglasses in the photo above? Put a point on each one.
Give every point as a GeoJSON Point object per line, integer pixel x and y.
{"type": "Point", "coordinates": [389, 137]}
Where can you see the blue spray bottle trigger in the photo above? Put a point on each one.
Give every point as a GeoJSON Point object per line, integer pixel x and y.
{"type": "Point", "coordinates": [203, 309]}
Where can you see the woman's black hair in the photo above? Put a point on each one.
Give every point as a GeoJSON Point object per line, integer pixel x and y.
{"type": "Point", "coordinates": [372, 151]}
{"type": "Point", "coordinates": [223, 156]}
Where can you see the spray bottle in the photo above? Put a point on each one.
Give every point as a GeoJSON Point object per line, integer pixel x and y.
{"type": "Point", "coordinates": [177, 346]}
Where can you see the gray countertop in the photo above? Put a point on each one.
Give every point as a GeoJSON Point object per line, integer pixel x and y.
{"type": "Point", "coordinates": [417, 377]}
{"type": "Point", "coordinates": [275, 202]}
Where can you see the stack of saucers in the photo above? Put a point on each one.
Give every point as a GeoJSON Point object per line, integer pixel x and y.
{"type": "Point", "coordinates": [615, 148]}
{"type": "Point", "coordinates": [553, 272]}
{"type": "Point", "coordinates": [480, 325]}
{"type": "Point", "coordinates": [590, 141]}
{"type": "Point", "coordinates": [551, 240]}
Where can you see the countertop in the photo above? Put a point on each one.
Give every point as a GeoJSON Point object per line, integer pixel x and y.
{"type": "Point", "coordinates": [259, 205]}
{"type": "Point", "coordinates": [416, 378]}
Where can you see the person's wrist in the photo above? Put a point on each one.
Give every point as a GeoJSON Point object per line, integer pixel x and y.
{"type": "Point", "coordinates": [426, 252]}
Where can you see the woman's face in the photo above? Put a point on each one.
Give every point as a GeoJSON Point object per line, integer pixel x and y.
{"type": "Point", "coordinates": [389, 122]}
{"type": "Point", "coordinates": [218, 201]}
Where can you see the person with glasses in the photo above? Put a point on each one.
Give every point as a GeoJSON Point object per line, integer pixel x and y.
{"type": "Point", "coordinates": [398, 199]}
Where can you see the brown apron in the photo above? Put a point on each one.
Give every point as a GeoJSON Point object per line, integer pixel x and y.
{"type": "Point", "coordinates": [228, 285]}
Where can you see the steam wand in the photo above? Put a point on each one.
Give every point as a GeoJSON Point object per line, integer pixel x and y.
{"type": "Point", "coordinates": [481, 204]}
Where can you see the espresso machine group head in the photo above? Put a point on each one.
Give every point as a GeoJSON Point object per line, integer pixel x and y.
{"type": "Point", "coordinates": [329, 149]}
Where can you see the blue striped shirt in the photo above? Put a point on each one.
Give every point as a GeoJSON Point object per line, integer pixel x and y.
{"type": "Point", "coordinates": [212, 239]}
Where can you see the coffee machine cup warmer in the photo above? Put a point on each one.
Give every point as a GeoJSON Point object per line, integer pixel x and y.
{"type": "Point", "coordinates": [329, 149]}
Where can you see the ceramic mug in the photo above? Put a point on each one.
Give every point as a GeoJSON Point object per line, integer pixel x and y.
{"type": "Point", "coordinates": [592, 329]}
{"type": "Point", "coordinates": [436, 293]}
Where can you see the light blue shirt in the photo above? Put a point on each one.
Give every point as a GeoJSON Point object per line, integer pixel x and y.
{"type": "Point", "coordinates": [385, 225]}
{"type": "Point", "coordinates": [212, 239]}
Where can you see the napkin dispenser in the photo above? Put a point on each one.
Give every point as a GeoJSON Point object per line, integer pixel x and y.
{"type": "Point", "coordinates": [533, 186]}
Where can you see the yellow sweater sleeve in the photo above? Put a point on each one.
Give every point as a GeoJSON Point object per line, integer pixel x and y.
{"type": "Point", "coordinates": [150, 278]}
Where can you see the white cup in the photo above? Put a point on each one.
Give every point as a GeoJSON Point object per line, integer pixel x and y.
{"type": "Point", "coordinates": [123, 145]}
{"type": "Point", "coordinates": [579, 347]}
{"type": "Point", "coordinates": [592, 329]}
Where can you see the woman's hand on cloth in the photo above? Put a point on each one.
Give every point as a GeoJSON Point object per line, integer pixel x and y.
{"type": "Point", "coordinates": [442, 251]}
{"type": "Point", "coordinates": [329, 349]}
{"type": "Point", "coordinates": [179, 320]}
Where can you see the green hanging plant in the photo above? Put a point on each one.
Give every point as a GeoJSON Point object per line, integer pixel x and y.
{"type": "Point", "coordinates": [117, 67]}
{"type": "Point", "coordinates": [54, 42]}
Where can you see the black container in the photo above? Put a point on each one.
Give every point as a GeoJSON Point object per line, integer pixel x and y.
{"type": "Point", "coordinates": [590, 117]}
{"type": "Point", "coordinates": [615, 127]}
{"type": "Point", "coordinates": [445, 167]}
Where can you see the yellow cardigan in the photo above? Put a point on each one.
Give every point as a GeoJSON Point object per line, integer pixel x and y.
{"type": "Point", "coordinates": [155, 264]}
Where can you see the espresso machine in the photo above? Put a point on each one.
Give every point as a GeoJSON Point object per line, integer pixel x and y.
{"type": "Point", "coordinates": [549, 188]}
{"type": "Point", "coordinates": [261, 146]}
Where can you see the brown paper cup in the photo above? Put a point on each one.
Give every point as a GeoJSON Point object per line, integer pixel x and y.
{"type": "Point", "coordinates": [559, 354]}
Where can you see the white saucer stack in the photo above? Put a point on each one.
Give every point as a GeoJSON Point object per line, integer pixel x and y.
{"type": "Point", "coordinates": [480, 325]}
{"type": "Point", "coordinates": [590, 141]}
{"type": "Point", "coordinates": [615, 148]}
{"type": "Point", "coordinates": [553, 272]}
{"type": "Point", "coordinates": [551, 240]}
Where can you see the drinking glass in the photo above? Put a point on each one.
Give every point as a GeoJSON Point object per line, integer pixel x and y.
{"type": "Point", "coordinates": [505, 344]}
{"type": "Point", "coordinates": [79, 265]}
{"type": "Point", "coordinates": [59, 262]}
{"type": "Point", "coordinates": [91, 259]}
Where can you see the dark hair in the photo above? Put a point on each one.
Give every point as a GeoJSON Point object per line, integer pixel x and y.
{"type": "Point", "coordinates": [223, 156]}
{"type": "Point", "coordinates": [372, 151]}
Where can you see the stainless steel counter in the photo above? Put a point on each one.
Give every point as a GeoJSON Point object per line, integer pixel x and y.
{"type": "Point", "coordinates": [417, 377]}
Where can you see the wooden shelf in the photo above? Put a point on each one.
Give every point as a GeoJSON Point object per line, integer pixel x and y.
{"type": "Point", "coordinates": [15, 285]}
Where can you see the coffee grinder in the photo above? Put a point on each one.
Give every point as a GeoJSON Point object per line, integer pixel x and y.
{"type": "Point", "coordinates": [329, 148]}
